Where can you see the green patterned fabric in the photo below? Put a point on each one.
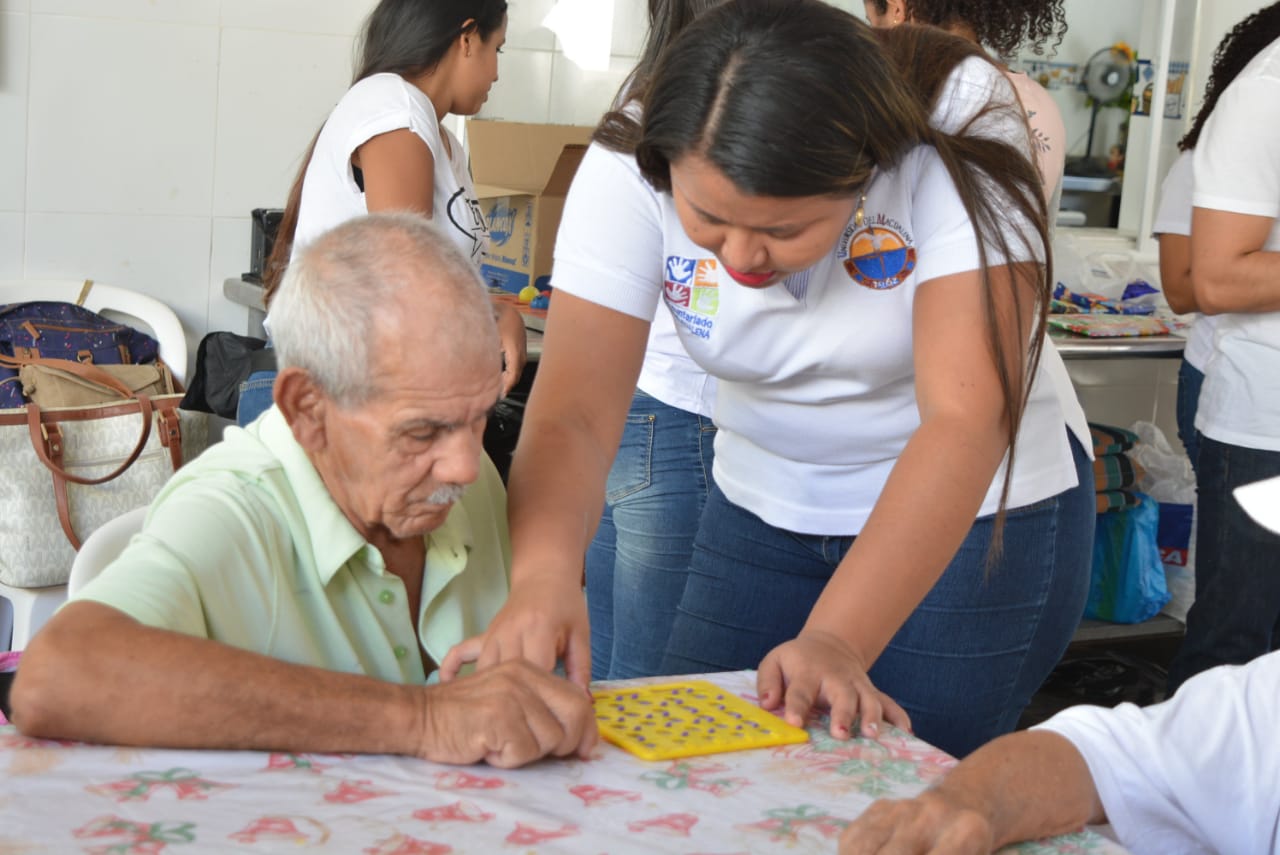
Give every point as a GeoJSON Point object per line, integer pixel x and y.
{"type": "Point", "coordinates": [1111, 440]}
{"type": "Point", "coordinates": [1115, 472]}
{"type": "Point", "coordinates": [1111, 500]}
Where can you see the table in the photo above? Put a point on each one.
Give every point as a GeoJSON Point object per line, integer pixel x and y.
{"type": "Point", "coordinates": [69, 797]}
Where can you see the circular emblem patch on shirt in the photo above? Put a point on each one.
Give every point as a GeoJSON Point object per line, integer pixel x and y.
{"type": "Point", "coordinates": [877, 255]}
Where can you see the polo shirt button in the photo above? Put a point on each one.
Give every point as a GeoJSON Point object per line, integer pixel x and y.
{"type": "Point", "coordinates": [387, 597]}
{"type": "Point", "coordinates": [400, 651]}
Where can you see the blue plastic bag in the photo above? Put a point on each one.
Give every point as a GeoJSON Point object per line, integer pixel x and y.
{"type": "Point", "coordinates": [1128, 583]}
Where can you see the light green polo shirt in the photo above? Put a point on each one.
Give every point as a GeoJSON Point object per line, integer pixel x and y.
{"type": "Point", "coordinates": [245, 546]}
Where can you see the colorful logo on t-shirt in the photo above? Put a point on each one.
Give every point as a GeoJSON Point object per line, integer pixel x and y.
{"type": "Point", "coordinates": [691, 287]}
{"type": "Point", "coordinates": [879, 254]}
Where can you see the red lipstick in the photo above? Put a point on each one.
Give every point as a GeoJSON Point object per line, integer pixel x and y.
{"type": "Point", "coordinates": [749, 279]}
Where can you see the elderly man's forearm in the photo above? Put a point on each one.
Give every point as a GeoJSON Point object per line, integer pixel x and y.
{"type": "Point", "coordinates": [96, 675]}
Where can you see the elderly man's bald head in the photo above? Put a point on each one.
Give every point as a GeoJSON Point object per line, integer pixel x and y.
{"type": "Point", "coordinates": [364, 287]}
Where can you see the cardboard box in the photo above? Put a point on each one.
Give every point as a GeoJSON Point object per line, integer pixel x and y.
{"type": "Point", "coordinates": [522, 174]}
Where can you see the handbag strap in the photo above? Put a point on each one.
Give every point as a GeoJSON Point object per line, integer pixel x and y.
{"type": "Point", "coordinates": [170, 436]}
{"type": "Point", "coordinates": [84, 370]}
{"type": "Point", "coordinates": [54, 434]}
{"type": "Point", "coordinates": [40, 441]}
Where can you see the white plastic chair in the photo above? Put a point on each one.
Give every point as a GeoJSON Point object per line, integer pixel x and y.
{"type": "Point", "coordinates": [29, 608]}
{"type": "Point", "coordinates": [102, 547]}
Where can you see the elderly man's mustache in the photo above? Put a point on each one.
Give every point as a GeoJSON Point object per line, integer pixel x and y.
{"type": "Point", "coordinates": [446, 495]}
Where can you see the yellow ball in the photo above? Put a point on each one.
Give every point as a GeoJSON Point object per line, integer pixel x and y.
{"type": "Point", "coordinates": [527, 293]}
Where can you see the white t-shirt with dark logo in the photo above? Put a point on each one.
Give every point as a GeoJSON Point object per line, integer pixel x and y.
{"type": "Point", "coordinates": [377, 105]}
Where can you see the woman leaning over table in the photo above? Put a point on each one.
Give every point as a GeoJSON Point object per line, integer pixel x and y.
{"type": "Point", "coordinates": [865, 543]}
{"type": "Point", "coordinates": [384, 147]}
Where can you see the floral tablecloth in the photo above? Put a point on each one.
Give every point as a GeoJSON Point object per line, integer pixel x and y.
{"type": "Point", "coordinates": [60, 797]}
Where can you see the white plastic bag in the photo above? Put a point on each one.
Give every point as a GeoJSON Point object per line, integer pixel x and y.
{"type": "Point", "coordinates": [1170, 480]}
{"type": "Point", "coordinates": [1168, 476]}
{"type": "Point", "coordinates": [1094, 271]}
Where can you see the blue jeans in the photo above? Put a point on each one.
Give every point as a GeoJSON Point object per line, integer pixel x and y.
{"type": "Point", "coordinates": [1236, 615]}
{"type": "Point", "coordinates": [1190, 379]}
{"type": "Point", "coordinates": [639, 560]}
{"type": "Point", "coordinates": [255, 396]}
{"type": "Point", "coordinates": [968, 659]}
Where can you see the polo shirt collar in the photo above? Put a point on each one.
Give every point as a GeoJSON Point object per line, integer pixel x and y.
{"type": "Point", "coordinates": [334, 540]}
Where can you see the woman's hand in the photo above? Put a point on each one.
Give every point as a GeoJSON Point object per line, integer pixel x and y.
{"type": "Point", "coordinates": [544, 621]}
{"type": "Point", "coordinates": [514, 345]}
{"type": "Point", "coordinates": [815, 670]}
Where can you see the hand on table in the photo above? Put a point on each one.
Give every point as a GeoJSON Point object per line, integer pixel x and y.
{"type": "Point", "coordinates": [930, 824]}
{"type": "Point", "coordinates": [507, 715]}
{"type": "Point", "coordinates": [541, 622]}
{"type": "Point", "coordinates": [817, 669]}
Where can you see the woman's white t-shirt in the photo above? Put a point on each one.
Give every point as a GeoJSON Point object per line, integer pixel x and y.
{"type": "Point", "coordinates": [377, 105]}
{"type": "Point", "coordinates": [816, 396]}
{"type": "Point", "coordinates": [1237, 169]}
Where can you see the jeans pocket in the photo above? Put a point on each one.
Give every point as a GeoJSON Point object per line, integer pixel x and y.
{"type": "Point", "coordinates": [632, 469]}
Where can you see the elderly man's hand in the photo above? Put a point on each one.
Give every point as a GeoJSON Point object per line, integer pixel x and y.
{"type": "Point", "coordinates": [930, 824]}
{"type": "Point", "coordinates": [543, 620]}
{"type": "Point", "coordinates": [507, 715]}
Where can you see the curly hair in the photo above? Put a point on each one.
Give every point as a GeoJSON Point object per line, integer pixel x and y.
{"type": "Point", "coordinates": [1002, 25]}
{"type": "Point", "coordinates": [1236, 50]}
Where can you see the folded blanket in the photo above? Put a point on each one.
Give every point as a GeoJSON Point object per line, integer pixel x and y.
{"type": "Point", "coordinates": [1111, 440]}
{"type": "Point", "coordinates": [1115, 472]}
{"type": "Point", "coordinates": [1112, 500]}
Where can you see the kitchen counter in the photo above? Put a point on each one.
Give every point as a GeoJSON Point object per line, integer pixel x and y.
{"type": "Point", "coordinates": [1072, 346]}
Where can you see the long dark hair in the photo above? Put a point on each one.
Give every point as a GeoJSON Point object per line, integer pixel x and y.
{"type": "Point", "coordinates": [792, 98]}
{"type": "Point", "coordinates": [1005, 26]}
{"type": "Point", "coordinates": [667, 18]}
{"type": "Point", "coordinates": [1236, 50]}
{"type": "Point", "coordinates": [405, 37]}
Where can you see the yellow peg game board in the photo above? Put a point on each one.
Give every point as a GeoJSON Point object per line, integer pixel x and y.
{"type": "Point", "coordinates": [687, 718]}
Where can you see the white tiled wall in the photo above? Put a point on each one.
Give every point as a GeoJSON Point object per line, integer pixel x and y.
{"type": "Point", "coordinates": [136, 136]}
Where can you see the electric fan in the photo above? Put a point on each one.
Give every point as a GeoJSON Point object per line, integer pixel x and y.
{"type": "Point", "coordinates": [1107, 74]}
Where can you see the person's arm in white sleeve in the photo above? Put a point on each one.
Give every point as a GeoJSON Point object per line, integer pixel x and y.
{"type": "Point", "coordinates": [1234, 264]}
{"type": "Point", "coordinates": [1197, 773]}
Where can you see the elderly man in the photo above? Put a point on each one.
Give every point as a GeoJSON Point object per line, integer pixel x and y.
{"type": "Point", "coordinates": [294, 586]}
